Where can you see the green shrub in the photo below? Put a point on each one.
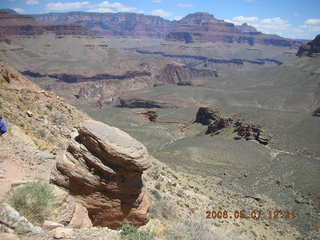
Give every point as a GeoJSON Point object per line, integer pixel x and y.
{"type": "Point", "coordinates": [156, 194]}
{"type": "Point", "coordinates": [130, 232]}
{"type": "Point", "coordinates": [158, 186]}
{"type": "Point", "coordinates": [33, 200]}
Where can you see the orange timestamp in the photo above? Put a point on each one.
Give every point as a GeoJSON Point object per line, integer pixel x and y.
{"type": "Point", "coordinates": [250, 214]}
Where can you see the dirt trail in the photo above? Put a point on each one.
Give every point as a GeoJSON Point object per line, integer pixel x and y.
{"type": "Point", "coordinates": [11, 171]}
{"type": "Point", "coordinates": [16, 163]}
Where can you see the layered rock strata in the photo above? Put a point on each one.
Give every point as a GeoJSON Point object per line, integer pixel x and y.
{"type": "Point", "coordinates": [102, 168]}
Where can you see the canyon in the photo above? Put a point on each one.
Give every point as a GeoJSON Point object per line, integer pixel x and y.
{"type": "Point", "coordinates": [229, 116]}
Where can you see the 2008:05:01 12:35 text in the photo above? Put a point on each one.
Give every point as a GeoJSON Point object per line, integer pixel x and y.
{"type": "Point", "coordinates": [254, 214]}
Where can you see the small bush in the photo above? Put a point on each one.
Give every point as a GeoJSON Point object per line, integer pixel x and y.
{"type": "Point", "coordinates": [156, 194]}
{"type": "Point", "coordinates": [130, 232]}
{"type": "Point", "coordinates": [158, 186]}
{"type": "Point", "coordinates": [33, 200]}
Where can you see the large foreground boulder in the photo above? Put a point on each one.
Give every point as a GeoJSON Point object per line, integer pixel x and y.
{"type": "Point", "coordinates": [102, 168]}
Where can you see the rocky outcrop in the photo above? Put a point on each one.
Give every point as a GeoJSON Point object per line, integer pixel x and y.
{"type": "Point", "coordinates": [150, 115]}
{"type": "Point", "coordinates": [213, 120]}
{"type": "Point", "coordinates": [102, 168]}
{"type": "Point", "coordinates": [12, 219]}
{"type": "Point", "coordinates": [206, 115]}
{"type": "Point", "coordinates": [142, 103]}
{"type": "Point", "coordinates": [311, 48]}
{"type": "Point", "coordinates": [220, 123]}
{"type": "Point", "coordinates": [192, 28]}
{"type": "Point", "coordinates": [175, 74]}
{"type": "Point", "coordinates": [250, 132]}
{"type": "Point", "coordinates": [316, 112]}
{"type": "Point", "coordinates": [10, 78]}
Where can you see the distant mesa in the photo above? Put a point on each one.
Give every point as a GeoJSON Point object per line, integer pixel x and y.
{"type": "Point", "coordinates": [198, 18]}
{"type": "Point", "coordinates": [196, 27]}
{"type": "Point", "coordinates": [311, 48]}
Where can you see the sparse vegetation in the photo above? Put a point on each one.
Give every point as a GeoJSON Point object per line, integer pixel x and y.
{"type": "Point", "coordinates": [33, 200]}
{"type": "Point", "coordinates": [197, 228]}
{"type": "Point", "coordinates": [156, 194]}
{"type": "Point", "coordinates": [164, 209]}
{"type": "Point", "coordinates": [130, 232]}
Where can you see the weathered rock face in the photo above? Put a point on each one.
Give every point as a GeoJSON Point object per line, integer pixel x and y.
{"type": "Point", "coordinates": [215, 122]}
{"type": "Point", "coordinates": [10, 78]}
{"type": "Point", "coordinates": [206, 115]}
{"type": "Point", "coordinates": [193, 27]}
{"type": "Point", "coordinates": [25, 25]}
{"type": "Point", "coordinates": [11, 19]}
{"type": "Point", "coordinates": [12, 219]}
{"type": "Point", "coordinates": [220, 123]}
{"type": "Point", "coordinates": [102, 169]}
{"type": "Point", "coordinates": [175, 74]}
{"type": "Point", "coordinates": [112, 24]}
{"type": "Point", "coordinates": [311, 48]}
{"type": "Point", "coordinates": [250, 132]}
{"type": "Point", "coordinates": [205, 27]}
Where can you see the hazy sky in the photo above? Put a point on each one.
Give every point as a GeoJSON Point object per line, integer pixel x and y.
{"type": "Point", "coordinates": [289, 18]}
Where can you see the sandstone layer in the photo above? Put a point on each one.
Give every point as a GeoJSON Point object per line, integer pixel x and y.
{"type": "Point", "coordinates": [102, 168]}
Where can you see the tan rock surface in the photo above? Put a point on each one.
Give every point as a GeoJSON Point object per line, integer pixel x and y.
{"type": "Point", "coordinates": [49, 225]}
{"type": "Point", "coordinates": [8, 236]}
{"type": "Point", "coordinates": [63, 233]}
{"type": "Point", "coordinates": [80, 218]}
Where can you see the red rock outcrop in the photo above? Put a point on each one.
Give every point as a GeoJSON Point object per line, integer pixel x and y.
{"type": "Point", "coordinates": [102, 169]}
{"type": "Point", "coordinates": [25, 25]}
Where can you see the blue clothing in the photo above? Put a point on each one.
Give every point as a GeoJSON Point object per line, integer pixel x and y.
{"type": "Point", "coordinates": [3, 126]}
